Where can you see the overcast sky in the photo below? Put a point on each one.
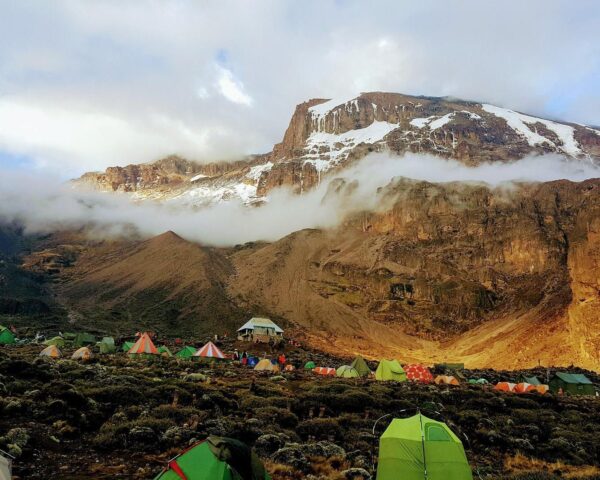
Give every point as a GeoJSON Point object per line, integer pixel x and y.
{"type": "Point", "coordinates": [87, 84]}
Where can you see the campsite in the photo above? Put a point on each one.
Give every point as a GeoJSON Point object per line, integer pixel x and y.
{"type": "Point", "coordinates": [127, 411]}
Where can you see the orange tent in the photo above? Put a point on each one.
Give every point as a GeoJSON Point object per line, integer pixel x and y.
{"type": "Point", "coordinates": [289, 368]}
{"type": "Point", "coordinates": [144, 345]}
{"type": "Point", "coordinates": [446, 380]}
{"type": "Point", "coordinates": [505, 386]}
{"type": "Point", "coordinates": [327, 371]}
{"type": "Point", "coordinates": [524, 387]}
{"type": "Point", "coordinates": [418, 373]}
{"type": "Point", "coordinates": [51, 351]}
{"type": "Point", "coordinates": [210, 350]}
{"type": "Point", "coordinates": [541, 389]}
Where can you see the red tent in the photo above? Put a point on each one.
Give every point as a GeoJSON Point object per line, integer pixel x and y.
{"type": "Point", "coordinates": [144, 344]}
{"type": "Point", "coordinates": [210, 350]}
{"type": "Point", "coordinates": [327, 371]}
{"type": "Point", "coordinates": [418, 373]}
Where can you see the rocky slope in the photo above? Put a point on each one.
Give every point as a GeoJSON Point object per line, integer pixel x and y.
{"type": "Point", "coordinates": [494, 277]}
{"type": "Point", "coordinates": [324, 135]}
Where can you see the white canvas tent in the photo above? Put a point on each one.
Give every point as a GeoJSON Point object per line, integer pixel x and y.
{"type": "Point", "coordinates": [5, 466]}
{"type": "Point", "coordinates": [259, 329]}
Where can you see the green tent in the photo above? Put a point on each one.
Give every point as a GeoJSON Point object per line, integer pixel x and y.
{"type": "Point", "coordinates": [346, 371]}
{"type": "Point", "coordinates": [310, 365]}
{"type": "Point", "coordinates": [418, 448]}
{"type": "Point", "coordinates": [83, 339]}
{"type": "Point", "coordinates": [390, 370]}
{"type": "Point", "coordinates": [127, 346]}
{"type": "Point", "coordinates": [478, 381]}
{"type": "Point", "coordinates": [361, 366]}
{"type": "Point", "coordinates": [571, 384]}
{"type": "Point", "coordinates": [58, 341]}
{"type": "Point", "coordinates": [531, 380]}
{"type": "Point", "coordinates": [216, 458]}
{"type": "Point", "coordinates": [164, 351]}
{"type": "Point", "coordinates": [107, 345]}
{"type": "Point", "coordinates": [186, 352]}
{"type": "Point", "coordinates": [6, 336]}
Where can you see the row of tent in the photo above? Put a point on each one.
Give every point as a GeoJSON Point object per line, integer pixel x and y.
{"type": "Point", "coordinates": [410, 448]}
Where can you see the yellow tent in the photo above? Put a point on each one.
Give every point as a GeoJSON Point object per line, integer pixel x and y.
{"type": "Point", "coordinates": [51, 351]}
{"type": "Point", "coordinates": [265, 365]}
{"type": "Point", "coordinates": [82, 353]}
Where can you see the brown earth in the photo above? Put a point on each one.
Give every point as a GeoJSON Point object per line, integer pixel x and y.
{"type": "Point", "coordinates": [502, 278]}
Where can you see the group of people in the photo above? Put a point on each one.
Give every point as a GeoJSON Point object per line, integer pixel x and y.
{"type": "Point", "coordinates": [243, 358]}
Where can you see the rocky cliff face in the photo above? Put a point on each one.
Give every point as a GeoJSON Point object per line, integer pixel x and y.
{"type": "Point", "coordinates": [326, 135]}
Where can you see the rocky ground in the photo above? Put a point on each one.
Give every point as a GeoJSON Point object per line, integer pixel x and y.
{"type": "Point", "coordinates": [116, 417]}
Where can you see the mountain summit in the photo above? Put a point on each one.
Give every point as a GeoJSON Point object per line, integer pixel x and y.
{"type": "Point", "coordinates": [327, 134]}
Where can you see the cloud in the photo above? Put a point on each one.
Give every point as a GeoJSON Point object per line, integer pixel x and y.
{"type": "Point", "coordinates": [231, 88]}
{"type": "Point", "coordinates": [116, 66]}
{"type": "Point", "coordinates": [42, 204]}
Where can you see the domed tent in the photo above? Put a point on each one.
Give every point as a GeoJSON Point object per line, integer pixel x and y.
{"type": "Point", "coordinates": [209, 350]}
{"type": "Point", "coordinates": [325, 371]}
{"type": "Point", "coordinates": [265, 365]}
{"type": "Point", "coordinates": [186, 352]}
{"type": "Point", "coordinates": [478, 381]}
{"type": "Point", "coordinates": [51, 351]}
{"type": "Point", "coordinates": [127, 346]}
{"type": "Point", "coordinates": [524, 388]}
{"type": "Point", "coordinates": [217, 458]}
{"type": "Point", "coordinates": [390, 370]}
{"type": "Point", "coordinates": [107, 345]}
{"type": "Point", "coordinates": [6, 336]}
{"type": "Point", "coordinates": [310, 365]}
{"type": "Point", "coordinates": [82, 353]}
{"type": "Point", "coordinates": [446, 380]}
{"type": "Point", "coordinates": [57, 341]}
{"type": "Point", "coordinates": [82, 339]}
{"type": "Point", "coordinates": [419, 447]}
{"type": "Point", "coordinates": [143, 346]}
{"type": "Point", "coordinates": [252, 361]}
{"type": "Point", "coordinates": [164, 351]}
{"type": "Point", "coordinates": [418, 373]}
{"type": "Point", "coordinates": [346, 371]}
{"type": "Point", "coordinates": [505, 386]}
{"type": "Point", "coordinates": [361, 366]}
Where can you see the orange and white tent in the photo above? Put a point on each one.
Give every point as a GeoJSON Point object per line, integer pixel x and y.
{"type": "Point", "coordinates": [210, 350]}
{"type": "Point", "coordinates": [51, 351]}
{"type": "Point", "coordinates": [541, 389]}
{"type": "Point", "coordinates": [446, 380]}
{"type": "Point", "coordinates": [524, 387]}
{"type": "Point", "coordinates": [144, 345]}
{"type": "Point", "coordinates": [83, 353]}
{"type": "Point", "coordinates": [418, 373]}
{"type": "Point", "coordinates": [327, 371]}
{"type": "Point", "coordinates": [505, 386]}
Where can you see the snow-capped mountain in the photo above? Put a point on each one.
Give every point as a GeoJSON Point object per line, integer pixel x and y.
{"type": "Point", "coordinates": [324, 135]}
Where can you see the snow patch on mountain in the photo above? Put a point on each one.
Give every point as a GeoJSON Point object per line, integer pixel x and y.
{"type": "Point", "coordinates": [524, 125]}
{"type": "Point", "coordinates": [198, 177]}
{"type": "Point", "coordinates": [256, 171]}
{"type": "Point", "coordinates": [434, 122]}
{"type": "Point", "coordinates": [324, 150]}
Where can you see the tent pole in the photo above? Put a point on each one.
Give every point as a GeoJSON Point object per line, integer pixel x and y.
{"type": "Point", "coordinates": [423, 444]}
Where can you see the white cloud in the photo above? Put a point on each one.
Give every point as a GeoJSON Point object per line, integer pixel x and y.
{"type": "Point", "coordinates": [121, 64]}
{"type": "Point", "coordinates": [231, 88]}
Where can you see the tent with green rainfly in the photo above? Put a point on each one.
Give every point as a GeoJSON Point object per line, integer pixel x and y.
{"type": "Point", "coordinates": [571, 384]}
{"type": "Point", "coordinates": [310, 365]}
{"type": "Point", "coordinates": [83, 339]}
{"type": "Point", "coordinates": [531, 380]}
{"type": "Point", "coordinates": [390, 370]}
{"type": "Point", "coordinates": [6, 336]}
{"type": "Point", "coordinates": [346, 371]}
{"type": "Point", "coordinates": [361, 366]}
{"type": "Point", "coordinates": [164, 351]}
{"type": "Point", "coordinates": [127, 346]}
{"type": "Point", "coordinates": [56, 341]}
{"type": "Point", "coordinates": [418, 448]}
{"type": "Point", "coordinates": [217, 458]}
{"type": "Point", "coordinates": [107, 345]}
{"type": "Point", "coordinates": [186, 352]}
